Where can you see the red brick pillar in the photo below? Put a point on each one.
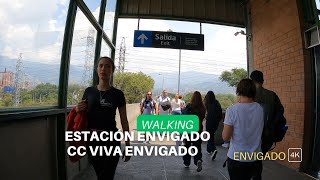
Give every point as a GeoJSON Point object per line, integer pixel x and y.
{"type": "Point", "coordinates": [279, 53]}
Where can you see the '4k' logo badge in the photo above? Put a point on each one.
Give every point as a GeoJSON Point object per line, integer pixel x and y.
{"type": "Point", "coordinates": [294, 154]}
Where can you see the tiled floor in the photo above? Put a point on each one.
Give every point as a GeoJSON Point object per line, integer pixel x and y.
{"type": "Point", "coordinates": [167, 168]}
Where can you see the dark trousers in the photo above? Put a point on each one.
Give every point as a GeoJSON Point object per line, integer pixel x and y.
{"type": "Point", "coordinates": [104, 166]}
{"type": "Point", "coordinates": [197, 157]}
{"type": "Point", "coordinates": [210, 144]}
{"type": "Point", "coordinates": [244, 170]}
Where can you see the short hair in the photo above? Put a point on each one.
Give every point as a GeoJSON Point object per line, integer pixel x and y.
{"type": "Point", "coordinates": [109, 59]}
{"type": "Point", "coordinates": [257, 76]}
{"type": "Point", "coordinates": [246, 87]}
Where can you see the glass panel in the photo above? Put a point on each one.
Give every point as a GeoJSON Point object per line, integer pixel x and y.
{"type": "Point", "coordinates": [109, 18]}
{"type": "Point", "coordinates": [200, 70]}
{"type": "Point", "coordinates": [31, 42]}
{"type": "Point", "coordinates": [318, 7]}
{"type": "Point", "coordinates": [105, 49]}
{"type": "Point", "coordinates": [94, 7]}
{"type": "Point", "coordinates": [82, 57]}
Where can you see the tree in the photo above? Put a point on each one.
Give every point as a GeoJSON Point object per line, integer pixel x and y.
{"type": "Point", "coordinates": [234, 76]}
{"type": "Point", "coordinates": [6, 100]}
{"type": "Point", "coordinates": [187, 97]}
{"type": "Point", "coordinates": [133, 85]}
{"type": "Point", "coordinates": [226, 100]}
{"type": "Point", "coordinates": [75, 93]}
{"type": "Point", "coordinates": [42, 94]}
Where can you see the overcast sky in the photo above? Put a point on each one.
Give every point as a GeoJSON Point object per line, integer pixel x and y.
{"type": "Point", "coordinates": [37, 33]}
{"type": "Point", "coordinates": [223, 50]}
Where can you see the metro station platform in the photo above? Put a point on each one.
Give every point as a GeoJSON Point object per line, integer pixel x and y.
{"type": "Point", "coordinates": [172, 168]}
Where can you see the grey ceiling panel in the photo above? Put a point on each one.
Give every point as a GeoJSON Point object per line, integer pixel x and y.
{"type": "Point", "coordinates": [229, 12]}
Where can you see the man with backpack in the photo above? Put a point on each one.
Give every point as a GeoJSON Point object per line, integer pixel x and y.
{"type": "Point", "coordinates": [274, 121]}
{"type": "Point", "coordinates": [148, 105]}
{"type": "Point", "coordinates": [164, 103]}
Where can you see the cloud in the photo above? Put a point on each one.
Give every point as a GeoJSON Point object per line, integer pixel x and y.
{"type": "Point", "coordinates": [38, 34]}
{"type": "Point", "coordinates": [35, 32]}
{"type": "Point", "coordinates": [22, 12]}
{"type": "Point", "coordinates": [52, 24]}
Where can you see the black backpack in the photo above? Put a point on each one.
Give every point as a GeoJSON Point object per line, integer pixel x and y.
{"type": "Point", "coordinates": [165, 104]}
{"type": "Point", "coordinates": [275, 126]}
{"type": "Point", "coordinates": [145, 102]}
{"type": "Point", "coordinates": [187, 110]}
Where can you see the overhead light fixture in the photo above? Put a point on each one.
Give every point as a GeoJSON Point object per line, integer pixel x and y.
{"type": "Point", "coordinates": [243, 33]}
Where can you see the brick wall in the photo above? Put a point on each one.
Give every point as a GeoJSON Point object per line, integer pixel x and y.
{"type": "Point", "coordinates": [278, 53]}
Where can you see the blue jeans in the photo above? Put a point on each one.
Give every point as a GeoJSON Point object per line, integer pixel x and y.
{"type": "Point", "coordinates": [176, 112]}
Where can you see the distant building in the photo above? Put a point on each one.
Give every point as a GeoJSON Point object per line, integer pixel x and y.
{"type": "Point", "coordinates": [6, 78]}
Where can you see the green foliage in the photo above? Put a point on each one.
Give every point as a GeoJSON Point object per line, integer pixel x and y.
{"type": "Point", "coordinates": [226, 100]}
{"type": "Point", "coordinates": [234, 76]}
{"type": "Point", "coordinates": [133, 85]}
{"type": "Point", "coordinates": [187, 97]}
{"type": "Point", "coordinates": [75, 92]}
{"type": "Point", "coordinates": [42, 94]}
{"type": "Point", "coordinates": [6, 100]}
{"type": "Point", "coordinates": [171, 95]}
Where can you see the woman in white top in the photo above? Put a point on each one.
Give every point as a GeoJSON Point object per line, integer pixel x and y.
{"type": "Point", "coordinates": [176, 105]}
{"type": "Point", "coordinates": [243, 126]}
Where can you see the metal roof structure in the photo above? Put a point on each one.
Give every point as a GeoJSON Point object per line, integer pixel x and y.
{"type": "Point", "coordinates": [225, 12]}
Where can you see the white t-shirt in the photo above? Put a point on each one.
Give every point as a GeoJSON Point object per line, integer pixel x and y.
{"type": "Point", "coordinates": [247, 121]}
{"type": "Point", "coordinates": [176, 106]}
{"type": "Point", "coordinates": [162, 99]}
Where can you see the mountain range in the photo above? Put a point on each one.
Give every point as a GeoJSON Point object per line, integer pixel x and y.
{"type": "Point", "coordinates": [190, 81]}
{"type": "Point", "coordinates": [37, 72]}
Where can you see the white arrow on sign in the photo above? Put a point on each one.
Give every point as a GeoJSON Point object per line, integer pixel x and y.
{"type": "Point", "coordinates": [142, 37]}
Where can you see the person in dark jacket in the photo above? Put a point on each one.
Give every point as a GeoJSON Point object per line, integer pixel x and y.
{"type": "Point", "coordinates": [213, 117]}
{"type": "Point", "coordinates": [273, 108]}
{"type": "Point", "coordinates": [195, 107]}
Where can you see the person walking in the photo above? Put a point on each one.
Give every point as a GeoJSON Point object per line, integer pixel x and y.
{"type": "Point", "coordinates": [101, 102]}
{"type": "Point", "coordinates": [148, 106]}
{"type": "Point", "coordinates": [164, 104]}
{"type": "Point", "coordinates": [195, 107]}
{"type": "Point", "coordinates": [213, 117]}
{"type": "Point", "coordinates": [243, 126]}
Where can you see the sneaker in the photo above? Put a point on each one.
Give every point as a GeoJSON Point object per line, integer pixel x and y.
{"type": "Point", "coordinates": [199, 165]}
{"type": "Point", "coordinates": [225, 145]}
{"type": "Point", "coordinates": [186, 166]}
{"type": "Point", "coordinates": [209, 153]}
{"type": "Point", "coordinates": [214, 154]}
